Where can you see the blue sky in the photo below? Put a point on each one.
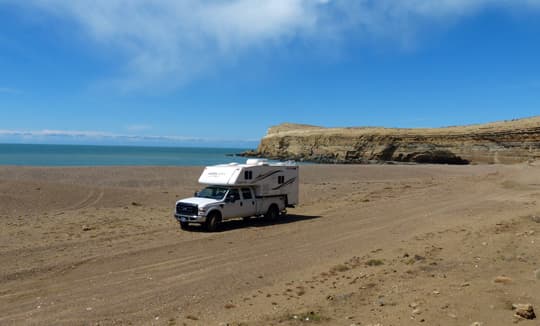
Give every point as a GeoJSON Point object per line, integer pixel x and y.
{"type": "Point", "coordinates": [219, 73]}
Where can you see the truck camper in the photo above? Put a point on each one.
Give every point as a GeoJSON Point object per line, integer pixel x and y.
{"type": "Point", "coordinates": [256, 188]}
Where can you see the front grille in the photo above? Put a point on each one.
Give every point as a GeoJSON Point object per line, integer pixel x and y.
{"type": "Point", "coordinates": [186, 209]}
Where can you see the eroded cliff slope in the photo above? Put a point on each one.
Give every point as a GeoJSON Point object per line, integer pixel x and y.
{"type": "Point", "coordinates": [500, 142]}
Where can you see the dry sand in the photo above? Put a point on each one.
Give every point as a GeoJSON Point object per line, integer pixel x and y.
{"type": "Point", "coordinates": [388, 245]}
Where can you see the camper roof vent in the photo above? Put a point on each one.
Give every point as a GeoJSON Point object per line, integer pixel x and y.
{"type": "Point", "coordinates": [257, 161]}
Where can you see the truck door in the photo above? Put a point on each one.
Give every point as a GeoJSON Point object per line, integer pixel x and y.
{"type": "Point", "coordinates": [249, 205]}
{"type": "Point", "coordinates": [233, 204]}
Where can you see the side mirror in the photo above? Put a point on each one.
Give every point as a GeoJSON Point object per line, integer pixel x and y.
{"type": "Point", "coordinates": [230, 199]}
{"type": "Point", "coordinates": [196, 194]}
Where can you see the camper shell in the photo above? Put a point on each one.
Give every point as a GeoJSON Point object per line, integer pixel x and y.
{"type": "Point", "coordinates": [276, 179]}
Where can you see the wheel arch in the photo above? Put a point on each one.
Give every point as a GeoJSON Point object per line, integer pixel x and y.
{"type": "Point", "coordinates": [273, 204]}
{"type": "Point", "coordinates": [217, 211]}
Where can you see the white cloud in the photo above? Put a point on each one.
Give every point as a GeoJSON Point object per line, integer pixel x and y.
{"type": "Point", "coordinates": [99, 136]}
{"type": "Point", "coordinates": [176, 41]}
{"type": "Point", "coordinates": [170, 42]}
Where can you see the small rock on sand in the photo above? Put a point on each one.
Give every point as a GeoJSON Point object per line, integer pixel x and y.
{"type": "Point", "coordinates": [86, 228]}
{"type": "Point", "coordinates": [413, 305]}
{"type": "Point", "coordinates": [525, 311]}
{"type": "Point", "coordinates": [477, 323]}
{"type": "Point", "coordinates": [502, 280]}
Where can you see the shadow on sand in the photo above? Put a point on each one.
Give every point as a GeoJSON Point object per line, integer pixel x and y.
{"type": "Point", "coordinates": [253, 222]}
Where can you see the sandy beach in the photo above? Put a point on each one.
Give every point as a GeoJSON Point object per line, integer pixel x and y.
{"type": "Point", "coordinates": [369, 245]}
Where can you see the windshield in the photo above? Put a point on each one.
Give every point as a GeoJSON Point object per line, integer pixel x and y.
{"type": "Point", "coordinates": [213, 192]}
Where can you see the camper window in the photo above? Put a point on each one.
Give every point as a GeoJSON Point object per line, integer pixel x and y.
{"type": "Point", "coordinates": [248, 175]}
{"type": "Point", "coordinates": [246, 193]}
{"type": "Point", "coordinates": [280, 179]}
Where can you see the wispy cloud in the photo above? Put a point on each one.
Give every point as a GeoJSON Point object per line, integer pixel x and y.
{"type": "Point", "coordinates": [99, 136]}
{"type": "Point", "coordinates": [170, 42]}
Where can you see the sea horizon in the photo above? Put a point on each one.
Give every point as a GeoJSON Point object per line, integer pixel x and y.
{"type": "Point", "coordinates": [77, 155]}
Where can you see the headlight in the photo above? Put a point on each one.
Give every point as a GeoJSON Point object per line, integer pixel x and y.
{"type": "Point", "coordinates": [202, 209]}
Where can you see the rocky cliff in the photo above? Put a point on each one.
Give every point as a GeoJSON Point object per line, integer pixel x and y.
{"type": "Point", "coordinates": [501, 142]}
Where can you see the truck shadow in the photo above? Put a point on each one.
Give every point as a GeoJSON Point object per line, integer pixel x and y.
{"type": "Point", "coordinates": [254, 222]}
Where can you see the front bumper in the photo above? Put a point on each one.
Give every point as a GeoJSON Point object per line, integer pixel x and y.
{"type": "Point", "coordinates": [190, 218]}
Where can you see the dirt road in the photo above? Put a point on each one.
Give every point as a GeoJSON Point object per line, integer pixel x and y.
{"type": "Point", "coordinates": [394, 245]}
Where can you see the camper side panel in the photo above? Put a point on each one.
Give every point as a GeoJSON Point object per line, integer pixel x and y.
{"type": "Point", "coordinates": [293, 187]}
{"type": "Point", "coordinates": [277, 181]}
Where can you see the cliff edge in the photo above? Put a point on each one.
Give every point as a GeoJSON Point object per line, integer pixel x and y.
{"type": "Point", "coordinates": [500, 142]}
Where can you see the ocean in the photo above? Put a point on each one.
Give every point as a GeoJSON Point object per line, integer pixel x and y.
{"type": "Point", "coordinates": [87, 155]}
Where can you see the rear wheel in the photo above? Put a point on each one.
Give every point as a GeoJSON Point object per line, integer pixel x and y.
{"type": "Point", "coordinates": [272, 213]}
{"type": "Point", "coordinates": [212, 222]}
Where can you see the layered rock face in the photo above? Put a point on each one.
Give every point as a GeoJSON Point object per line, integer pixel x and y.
{"type": "Point", "coordinates": [501, 142]}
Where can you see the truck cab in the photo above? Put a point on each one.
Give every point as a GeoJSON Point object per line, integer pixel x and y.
{"type": "Point", "coordinates": [215, 204]}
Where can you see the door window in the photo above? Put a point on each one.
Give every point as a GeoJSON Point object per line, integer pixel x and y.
{"type": "Point", "coordinates": [233, 195]}
{"type": "Point", "coordinates": [246, 193]}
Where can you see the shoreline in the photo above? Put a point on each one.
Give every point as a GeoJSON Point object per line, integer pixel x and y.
{"type": "Point", "coordinates": [333, 161]}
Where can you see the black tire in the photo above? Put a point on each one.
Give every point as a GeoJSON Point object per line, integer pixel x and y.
{"type": "Point", "coordinates": [213, 222]}
{"type": "Point", "coordinates": [184, 225]}
{"type": "Point", "coordinates": [272, 213]}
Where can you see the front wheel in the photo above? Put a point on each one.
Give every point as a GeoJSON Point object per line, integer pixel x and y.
{"type": "Point", "coordinates": [184, 225]}
{"type": "Point", "coordinates": [212, 222]}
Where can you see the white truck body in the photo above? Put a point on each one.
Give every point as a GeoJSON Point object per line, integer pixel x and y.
{"type": "Point", "coordinates": [241, 190]}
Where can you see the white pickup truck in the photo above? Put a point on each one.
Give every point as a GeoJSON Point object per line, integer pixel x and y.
{"type": "Point", "coordinates": [240, 191]}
